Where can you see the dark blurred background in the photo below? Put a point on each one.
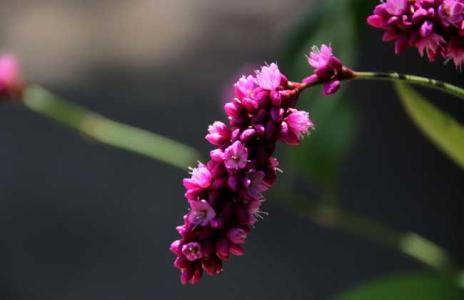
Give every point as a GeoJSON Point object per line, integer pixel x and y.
{"type": "Point", "coordinates": [79, 220]}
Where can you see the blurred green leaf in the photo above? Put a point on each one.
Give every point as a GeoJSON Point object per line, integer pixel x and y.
{"type": "Point", "coordinates": [361, 9]}
{"type": "Point", "coordinates": [109, 132]}
{"type": "Point", "coordinates": [406, 287]}
{"type": "Point", "coordinates": [319, 157]}
{"type": "Point", "coordinates": [442, 130]}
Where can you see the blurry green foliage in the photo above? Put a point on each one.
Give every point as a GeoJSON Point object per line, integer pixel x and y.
{"type": "Point", "coordinates": [406, 287]}
{"type": "Point", "coordinates": [337, 23]}
{"type": "Point", "coordinates": [442, 130]}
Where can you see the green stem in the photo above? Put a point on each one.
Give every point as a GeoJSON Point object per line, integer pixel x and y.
{"type": "Point", "coordinates": [106, 131]}
{"type": "Point", "coordinates": [418, 80]}
{"type": "Point", "coordinates": [408, 243]}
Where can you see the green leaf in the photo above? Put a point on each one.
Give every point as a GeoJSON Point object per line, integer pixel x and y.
{"type": "Point", "coordinates": [406, 287]}
{"type": "Point", "coordinates": [107, 131]}
{"type": "Point", "coordinates": [441, 129]}
{"type": "Point", "coordinates": [319, 156]}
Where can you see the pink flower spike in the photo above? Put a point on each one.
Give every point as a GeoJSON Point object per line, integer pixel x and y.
{"type": "Point", "coordinates": [236, 156]}
{"type": "Point", "coordinates": [10, 78]}
{"type": "Point", "coordinates": [269, 77]}
{"type": "Point", "coordinates": [201, 213]}
{"type": "Point", "coordinates": [225, 194]}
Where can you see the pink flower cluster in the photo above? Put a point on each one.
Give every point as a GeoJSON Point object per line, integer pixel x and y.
{"type": "Point", "coordinates": [225, 193]}
{"type": "Point", "coordinates": [434, 27]}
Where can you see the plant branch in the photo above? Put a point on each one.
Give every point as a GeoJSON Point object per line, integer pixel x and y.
{"type": "Point", "coordinates": [412, 79]}
{"type": "Point", "coordinates": [407, 243]}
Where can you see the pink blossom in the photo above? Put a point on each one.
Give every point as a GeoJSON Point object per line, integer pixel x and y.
{"type": "Point", "coordinates": [201, 213]}
{"type": "Point", "coordinates": [455, 51]}
{"type": "Point", "coordinates": [269, 77]}
{"type": "Point", "coordinates": [218, 133]}
{"type": "Point", "coordinates": [236, 156]}
{"type": "Point", "coordinates": [451, 12]}
{"type": "Point", "coordinates": [244, 86]}
{"type": "Point", "coordinates": [237, 235]}
{"type": "Point", "coordinates": [328, 69]}
{"type": "Point", "coordinates": [192, 251]}
{"type": "Point", "coordinates": [429, 25]}
{"type": "Point", "coordinates": [319, 58]}
{"type": "Point", "coordinates": [295, 125]}
{"type": "Point", "coordinates": [201, 177]}
{"type": "Point", "coordinates": [255, 184]}
{"type": "Point", "coordinates": [431, 45]}
{"type": "Point", "coordinates": [396, 7]}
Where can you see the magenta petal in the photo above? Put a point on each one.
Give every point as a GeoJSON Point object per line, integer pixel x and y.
{"type": "Point", "coordinates": [311, 79]}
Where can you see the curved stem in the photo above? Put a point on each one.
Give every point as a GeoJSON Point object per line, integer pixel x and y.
{"type": "Point", "coordinates": [106, 131]}
{"type": "Point", "coordinates": [410, 244]}
{"type": "Point", "coordinates": [413, 79]}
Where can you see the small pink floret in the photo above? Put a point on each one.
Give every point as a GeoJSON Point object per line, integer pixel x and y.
{"type": "Point", "coordinates": [269, 77]}
{"type": "Point", "coordinates": [236, 156]}
{"type": "Point", "coordinates": [192, 251]}
{"type": "Point", "coordinates": [299, 122]}
{"type": "Point", "coordinates": [201, 176]}
{"type": "Point", "coordinates": [201, 213]}
{"type": "Point", "coordinates": [319, 58]}
{"type": "Point", "coordinates": [244, 86]}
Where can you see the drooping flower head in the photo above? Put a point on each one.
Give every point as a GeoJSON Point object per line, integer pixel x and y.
{"type": "Point", "coordinates": [225, 194]}
{"type": "Point", "coordinates": [10, 77]}
{"type": "Point", "coordinates": [431, 26]}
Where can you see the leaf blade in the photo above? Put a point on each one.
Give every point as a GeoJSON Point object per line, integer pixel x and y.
{"type": "Point", "coordinates": [441, 129]}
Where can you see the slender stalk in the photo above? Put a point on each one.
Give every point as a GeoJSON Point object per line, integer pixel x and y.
{"type": "Point", "coordinates": [407, 243]}
{"type": "Point", "coordinates": [413, 79]}
{"type": "Point", "coordinates": [106, 131]}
